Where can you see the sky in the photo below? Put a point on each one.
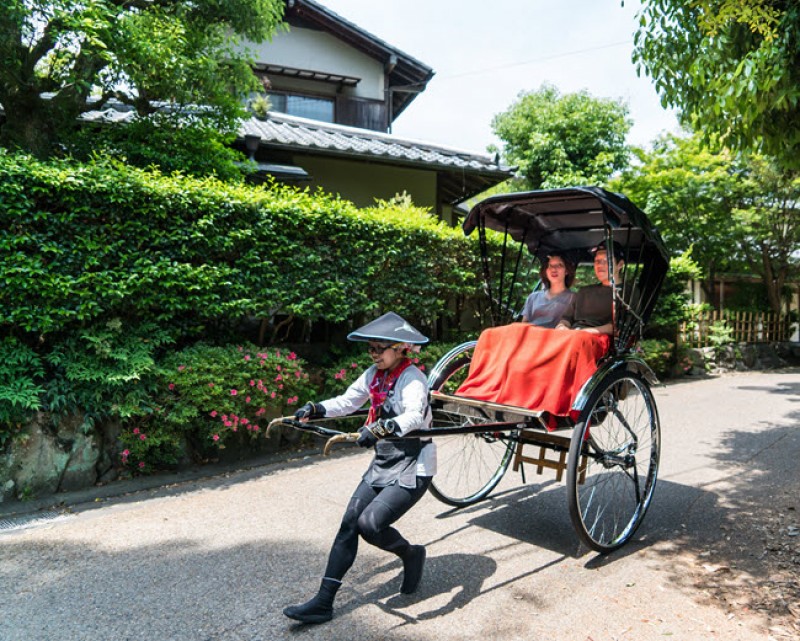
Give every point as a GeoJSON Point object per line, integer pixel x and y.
{"type": "Point", "coordinates": [486, 53]}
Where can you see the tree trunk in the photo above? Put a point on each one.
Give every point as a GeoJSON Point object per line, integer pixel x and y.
{"type": "Point", "coordinates": [773, 282]}
{"type": "Point", "coordinates": [707, 284]}
{"type": "Point", "coordinates": [27, 127]}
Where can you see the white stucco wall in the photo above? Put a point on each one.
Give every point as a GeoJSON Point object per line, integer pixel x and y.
{"type": "Point", "coordinates": [319, 51]}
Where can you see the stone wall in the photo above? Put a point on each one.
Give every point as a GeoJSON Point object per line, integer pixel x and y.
{"type": "Point", "coordinates": [46, 459]}
{"type": "Point", "coordinates": [742, 357]}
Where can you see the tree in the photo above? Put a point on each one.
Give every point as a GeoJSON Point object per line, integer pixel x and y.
{"type": "Point", "coordinates": [730, 67]}
{"type": "Point", "coordinates": [688, 192]}
{"type": "Point", "coordinates": [735, 212]}
{"type": "Point", "coordinates": [769, 225]}
{"type": "Point", "coordinates": [559, 141]}
{"type": "Point", "coordinates": [177, 63]}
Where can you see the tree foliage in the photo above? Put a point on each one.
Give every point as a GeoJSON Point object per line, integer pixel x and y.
{"type": "Point", "coordinates": [768, 217]}
{"type": "Point", "coordinates": [688, 192]}
{"type": "Point", "coordinates": [557, 141]}
{"type": "Point", "coordinates": [175, 63]}
{"type": "Point", "coordinates": [736, 213]}
{"type": "Point", "coordinates": [731, 68]}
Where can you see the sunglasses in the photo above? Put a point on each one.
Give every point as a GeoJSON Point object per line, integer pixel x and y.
{"type": "Point", "coordinates": [380, 349]}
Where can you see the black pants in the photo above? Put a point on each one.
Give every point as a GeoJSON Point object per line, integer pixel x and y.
{"type": "Point", "coordinates": [370, 513]}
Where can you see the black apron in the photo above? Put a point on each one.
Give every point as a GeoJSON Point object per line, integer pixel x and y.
{"type": "Point", "coordinates": [395, 458]}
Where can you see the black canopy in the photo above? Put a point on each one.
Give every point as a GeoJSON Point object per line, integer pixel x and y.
{"type": "Point", "coordinates": [573, 219]}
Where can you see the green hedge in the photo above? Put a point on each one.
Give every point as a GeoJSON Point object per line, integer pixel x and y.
{"type": "Point", "coordinates": [110, 275]}
{"type": "Point", "coordinates": [87, 243]}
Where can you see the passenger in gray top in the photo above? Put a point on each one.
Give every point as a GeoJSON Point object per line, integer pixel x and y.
{"type": "Point", "coordinates": [545, 307]}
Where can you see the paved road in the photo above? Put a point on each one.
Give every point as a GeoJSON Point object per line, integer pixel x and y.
{"type": "Point", "coordinates": [217, 559]}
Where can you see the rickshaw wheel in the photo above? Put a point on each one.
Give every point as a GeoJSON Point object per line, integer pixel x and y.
{"type": "Point", "coordinates": [469, 466]}
{"type": "Point", "coordinates": [613, 461]}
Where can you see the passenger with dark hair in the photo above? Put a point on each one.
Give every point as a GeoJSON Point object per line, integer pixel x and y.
{"type": "Point", "coordinates": [546, 306]}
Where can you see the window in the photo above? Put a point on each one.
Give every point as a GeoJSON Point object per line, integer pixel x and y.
{"type": "Point", "coordinates": [304, 106]}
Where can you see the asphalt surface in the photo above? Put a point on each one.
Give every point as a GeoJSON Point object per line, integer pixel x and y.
{"type": "Point", "coordinates": [217, 558]}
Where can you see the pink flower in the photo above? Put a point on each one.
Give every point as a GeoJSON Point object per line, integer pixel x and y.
{"type": "Point", "coordinates": [181, 368]}
{"type": "Point", "coordinates": [247, 357]}
{"type": "Point", "coordinates": [279, 377]}
{"type": "Point", "coordinates": [252, 383]}
{"type": "Point", "coordinates": [272, 395]}
{"type": "Point", "coordinates": [215, 437]}
{"type": "Point", "coordinates": [171, 386]}
{"type": "Point", "coordinates": [244, 421]}
{"type": "Point", "coordinates": [135, 430]}
{"type": "Point", "coordinates": [421, 368]}
{"type": "Point", "coordinates": [280, 386]}
{"type": "Point", "coordinates": [211, 384]}
{"type": "Point", "coordinates": [246, 399]}
{"type": "Point", "coordinates": [234, 392]}
{"type": "Point", "coordinates": [256, 428]}
{"type": "Point", "coordinates": [354, 365]}
{"type": "Point", "coordinates": [297, 373]}
{"type": "Point", "coordinates": [142, 437]}
{"type": "Point", "coordinates": [277, 354]}
{"type": "Point", "coordinates": [228, 424]}
{"type": "Point", "coordinates": [213, 413]}
{"type": "Point", "coordinates": [278, 367]}
{"type": "Point", "coordinates": [126, 453]}
{"type": "Point", "coordinates": [292, 356]}
{"type": "Point", "coordinates": [260, 411]}
{"type": "Point", "coordinates": [141, 465]}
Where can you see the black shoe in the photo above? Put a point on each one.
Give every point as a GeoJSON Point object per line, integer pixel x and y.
{"type": "Point", "coordinates": [319, 609]}
{"type": "Point", "coordinates": [413, 563]}
{"type": "Point", "coordinates": [310, 612]}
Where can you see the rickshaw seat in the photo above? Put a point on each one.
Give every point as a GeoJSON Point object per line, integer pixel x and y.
{"type": "Point", "coordinates": [532, 367]}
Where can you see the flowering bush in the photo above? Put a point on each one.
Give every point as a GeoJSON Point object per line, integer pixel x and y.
{"type": "Point", "coordinates": [147, 448]}
{"type": "Point", "coordinates": [684, 363]}
{"type": "Point", "coordinates": [212, 396]}
{"type": "Point", "coordinates": [209, 395]}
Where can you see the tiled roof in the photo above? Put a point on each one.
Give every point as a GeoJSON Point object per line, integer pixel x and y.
{"type": "Point", "coordinates": [297, 134]}
{"type": "Point", "coordinates": [282, 130]}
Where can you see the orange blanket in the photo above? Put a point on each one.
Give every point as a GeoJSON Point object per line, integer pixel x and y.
{"type": "Point", "coordinates": [533, 367]}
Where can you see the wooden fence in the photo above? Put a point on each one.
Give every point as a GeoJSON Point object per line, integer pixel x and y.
{"type": "Point", "coordinates": [746, 327]}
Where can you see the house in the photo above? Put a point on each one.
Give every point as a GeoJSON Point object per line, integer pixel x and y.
{"type": "Point", "coordinates": [334, 90]}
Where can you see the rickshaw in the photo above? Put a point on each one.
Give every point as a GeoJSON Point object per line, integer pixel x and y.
{"type": "Point", "coordinates": [609, 442]}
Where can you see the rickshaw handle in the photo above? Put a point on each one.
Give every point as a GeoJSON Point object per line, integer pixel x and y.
{"type": "Point", "coordinates": [334, 436]}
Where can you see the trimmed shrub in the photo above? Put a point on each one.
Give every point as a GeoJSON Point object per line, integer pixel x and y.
{"type": "Point", "coordinates": [86, 243]}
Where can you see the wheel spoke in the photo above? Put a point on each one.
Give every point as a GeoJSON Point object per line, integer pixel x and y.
{"type": "Point", "coordinates": [469, 465]}
{"type": "Point", "coordinates": [621, 448]}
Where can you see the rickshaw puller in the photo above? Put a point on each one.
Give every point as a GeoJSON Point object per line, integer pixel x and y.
{"type": "Point", "coordinates": [401, 470]}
